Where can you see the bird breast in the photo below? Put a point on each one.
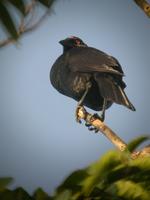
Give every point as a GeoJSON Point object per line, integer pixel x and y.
{"type": "Point", "coordinates": [79, 83]}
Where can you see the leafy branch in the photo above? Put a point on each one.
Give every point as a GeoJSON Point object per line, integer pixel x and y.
{"type": "Point", "coordinates": [26, 15]}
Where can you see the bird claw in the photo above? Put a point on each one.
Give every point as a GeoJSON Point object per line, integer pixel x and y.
{"type": "Point", "coordinates": [91, 128]}
{"type": "Point", "coordinates": [77, 114]}
{"type": "Point", "coordinates": [87, 124]}
{"type": "Point", "coordinates": [96, 116]}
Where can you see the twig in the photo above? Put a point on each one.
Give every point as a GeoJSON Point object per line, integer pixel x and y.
{"type": "Point", "coordinates": [142, 153]}
{"type": "Point", "coordinates": [30, 7]}
{"type": "Point", "coordinates": [117, 141]}
{"type": "Point", "coordinates": [36, 24]}
{"type": "Point", "coordinates": [144, 5]}
{"type": "Point", "coordinates": [22, 30]}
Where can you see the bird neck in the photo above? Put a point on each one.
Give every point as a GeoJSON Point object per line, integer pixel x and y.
{"type": "Point", "coordinates": [66, 48]}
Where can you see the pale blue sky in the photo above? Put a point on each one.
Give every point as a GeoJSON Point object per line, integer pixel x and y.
{"type": "Point", "coordinates": [40, 141]}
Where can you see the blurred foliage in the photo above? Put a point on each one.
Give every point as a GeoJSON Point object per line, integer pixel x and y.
{"type": "Point", "coordinates": [4, 182]}
{"type": "Point", "coordinates": [133, 145]}
{"type": "Point", "coordinates": [115, 176]}
{"type": "Point", "coordinates": [39, 194]}
{"type": "Point", "coordinates": [10, 10]}
{"type": "Point", "coordinates": [22, 10]}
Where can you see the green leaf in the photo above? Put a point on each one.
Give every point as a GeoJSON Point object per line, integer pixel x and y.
{"type": "Point", "coordinates": [7, 21]}
{"type": "Point", "coordinates": [142, 163]}
{"type": "Point", "coordinates": [143, 176]}
{"type": "Point", "coordinates": [7, 195]}
{"type": "Point", "coordinates": [73, 181]}
{"type": "Point", "coordinates": [47, 3]}
{"type": "Point", "coordinates": [21, 194]}
{"type": "Point", "coordinates": [131, 190]}
{"type": "Point", "coordinates": [136, 170]}
{"type": "Point", "coordinates": [20, 5]}
{"type": "Point", "coordinates": [100, 169]}
{"type": "Point", "coordinates": [4, 182]}
{"type": "Point", "coordinates": [121, 172]}
{"type": "Point", "coordinates": [136, 142]}
{"type": "Point", "coordinates": [39, 194]}
{"type": "Point", "coordinates": [65, 195]}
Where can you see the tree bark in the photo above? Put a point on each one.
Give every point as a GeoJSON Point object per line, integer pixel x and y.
{"type": "Point", "coordinates": [144, 5]}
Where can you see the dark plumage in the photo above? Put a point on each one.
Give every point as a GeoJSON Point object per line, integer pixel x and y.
{"type": "Point", "coordinates": [90, 76]}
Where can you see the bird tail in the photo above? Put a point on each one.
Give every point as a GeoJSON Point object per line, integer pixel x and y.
{"type": "Point", "coordinates": [111, 91]}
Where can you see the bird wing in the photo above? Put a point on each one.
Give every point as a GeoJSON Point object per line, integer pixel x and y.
{"type": "Point", "coordinates": [88, 59]}
{"type": "Point", "coordinates": [112, 91]}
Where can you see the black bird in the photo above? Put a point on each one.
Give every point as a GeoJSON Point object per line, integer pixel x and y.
{"type": "Point", "coordinates": [90, 76]}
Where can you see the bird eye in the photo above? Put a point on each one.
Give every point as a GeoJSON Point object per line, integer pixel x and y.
{"type": "Point", "coordinates": [77, 42]}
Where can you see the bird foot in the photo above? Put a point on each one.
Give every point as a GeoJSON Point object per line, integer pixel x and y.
{"type": "Point", "coordinates": [93, 128]}
{"type": "Point", "coordinates": [81, 113]}
{"type": "Point", "coordinates": [96, 116]}
{"type": "Point", "coordinates": [78, 117]}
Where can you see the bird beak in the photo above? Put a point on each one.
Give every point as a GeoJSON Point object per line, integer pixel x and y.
{"type": "Point", "coordinates": [62, 42]}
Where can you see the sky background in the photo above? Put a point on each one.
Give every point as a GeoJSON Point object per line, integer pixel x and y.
{"type": "Point", "coordinates": [40, 141]}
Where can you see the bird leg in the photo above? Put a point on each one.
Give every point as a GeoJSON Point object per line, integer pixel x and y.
{"type": "Point", "coordinates": [102, 117]}
{"type": "Point", "coordinates": [80, 103]}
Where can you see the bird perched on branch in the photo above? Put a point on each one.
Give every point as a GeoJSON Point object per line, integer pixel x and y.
{"type": "Point", "coordinates": [90, 76]}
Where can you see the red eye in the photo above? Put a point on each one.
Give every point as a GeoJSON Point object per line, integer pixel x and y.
{"type": "Point", "coordinates": [77, 42]}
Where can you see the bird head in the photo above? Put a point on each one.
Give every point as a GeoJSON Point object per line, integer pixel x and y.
{"type": "Point", "coordinates": [72, 42]}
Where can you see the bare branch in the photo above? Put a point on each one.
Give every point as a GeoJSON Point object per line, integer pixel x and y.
{"type": "Point", "coordinates": [30, 6]}
{"type": "Point", "coordinates": [111, 135]}
{"type": "Point", "coordinates": [36, 24]}
{"type": "Point", "coordinates": [144, 5]}
{"type": "Point", "coordinates": [142, 153]}
{"type": "Point", "coordinates": [6, 42]}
